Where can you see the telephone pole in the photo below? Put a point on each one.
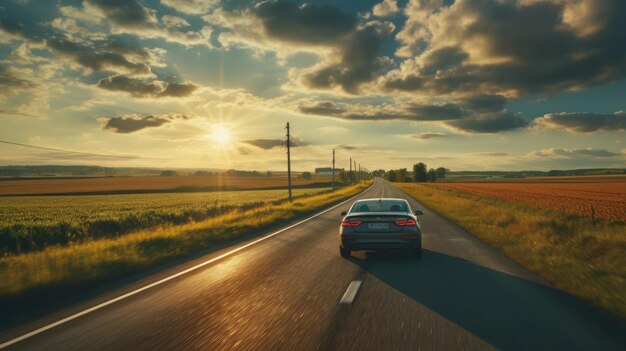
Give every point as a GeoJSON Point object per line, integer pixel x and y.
{"type": "Point", "coordinates": [360, 172]}
{"type": "Point", "coordinates": [333, 169]}
{"type": "Point", "coordinates": [289, 161]}
{"type": "Point", "coordinates": [355, 171]}
{"type": "Point", "coordinates": [350, 174]}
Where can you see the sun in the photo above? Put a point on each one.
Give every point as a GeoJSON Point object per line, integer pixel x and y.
{"type": "Point", "coordinates": [221, 135]}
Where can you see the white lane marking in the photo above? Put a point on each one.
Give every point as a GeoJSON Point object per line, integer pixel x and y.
{"type": "Point", "coordinates": [166, 279]}
{"type": "Point", "coordinates": [350, 293]}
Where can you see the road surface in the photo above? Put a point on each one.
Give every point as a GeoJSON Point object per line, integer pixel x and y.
{"type": "Point", "coordinates": [294, 291]}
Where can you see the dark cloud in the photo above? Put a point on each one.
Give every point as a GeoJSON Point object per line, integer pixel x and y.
{"type": "Point", "coordinates": [126, 13]}
{"type": "Point", "coordinates": [273, 143]}
{"type": "Point", "coordinates": [132, 123]}
{"type": "Point", "coordinates": [126, 49]}
{"type": "Point", "coordinates": [436, 112]}
{"type": "Point", "coordinates": [575, 153]}
{"type": "Point", "coordinates": [485, 120]}
{"type": "Point", "coordinates": [489, 122]}
{"type": "Point", "coordinates": [141, 88]}
{"type": "Point", "coordinates": [324, 108]}
{"type": "Point", "coordinates": [94, 59]}
{"type": "Point", "coordinates": [428, 135]}
{"type": "Point", "coordinates": [347, 147]}
{"type": "Point", "coordinates": [583, 122]}
{"type": "Point", "coordinates": [541, 47]}
{"type": "Point", "coordinates": [358, 60]}
{"type": "Point", "coordinates": [11, 82]}
{"type": "Point", "coordinates": [179, 89]}
{"type": "Point", "coordinates": [308, 23]}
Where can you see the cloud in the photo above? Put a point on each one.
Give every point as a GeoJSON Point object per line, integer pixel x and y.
{"type": "Point", "coordinates": [131, 123]}
{"type": "Point", "coordinates": [192, 7]}
{"type": "Point", "coordinates": [132, 17]}
{"type": "Point", "coordinates": [489, 117]}
{"type": "Point", "coordinates": [307, 24]}
{"type": "Point", "coordinates": [486, 46]}
{"type": "Point", "coordinates": [347, 147]}
{"type": "Point", "coordinates": [110, 58]}
{"type": "Point", "coordinates": [580, 122]}
{"type": "Point", "coordinates": [489, 122]}
{"type": "Point", "coordinates": [142, 88]}
{"type": "Point", "coordinates": [428, 135]}
{"type": "Point", "coordinates": [324, 108]}
{"type": "Point", "coordinates": [268, 144]}
{"type": "Point", "coordinates": [575, 153]}
{"type": "Point", "coordinates": [385, 8]}
{"type": "Point", "coordinates": [355, 62]}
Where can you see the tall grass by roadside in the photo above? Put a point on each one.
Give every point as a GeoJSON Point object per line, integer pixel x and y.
{"type": "Point", "coordinates": [86, 264]}
{"type": "Point", "coordinates": [585, 260]}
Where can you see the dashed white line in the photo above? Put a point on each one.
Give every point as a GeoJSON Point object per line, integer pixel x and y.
{"type": "Point", "coordinates": [351, 292]}
{"type": "Point", "coordinates": [134, 292]}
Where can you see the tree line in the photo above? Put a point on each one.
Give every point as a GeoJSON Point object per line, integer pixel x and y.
{"type": "Point", "coordinates": [420, 173]}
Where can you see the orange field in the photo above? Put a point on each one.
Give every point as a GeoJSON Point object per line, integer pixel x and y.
{"type": "Point", "coordinates": [145, 183]}
{"type": "Point", "coordinates": [607, 199]}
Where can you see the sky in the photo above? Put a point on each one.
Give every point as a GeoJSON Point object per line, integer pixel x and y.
{"type": "Point", "coordinates": [465, 84]}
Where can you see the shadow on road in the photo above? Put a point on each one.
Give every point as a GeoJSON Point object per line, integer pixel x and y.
{"type": "Point", "coordinates": [508, 312]}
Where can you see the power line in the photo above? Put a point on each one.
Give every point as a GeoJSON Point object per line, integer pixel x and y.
{"type": "Point", "coordinates": [94, 154]}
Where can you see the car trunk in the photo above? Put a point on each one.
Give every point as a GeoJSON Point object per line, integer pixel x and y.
{"type": "Point", "coordinates": [378, 223]}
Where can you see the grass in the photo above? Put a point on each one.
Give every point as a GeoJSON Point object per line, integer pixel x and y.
{"type": "Point", "coordinates": [568, 251]}
{"type": "Point", "coordinates": [71, 268]}
{"type": "Point", "coordinates": [35, 222]}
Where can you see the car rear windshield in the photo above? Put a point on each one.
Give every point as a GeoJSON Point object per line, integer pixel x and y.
{"type": "Point", "coordinates": [380, 206]}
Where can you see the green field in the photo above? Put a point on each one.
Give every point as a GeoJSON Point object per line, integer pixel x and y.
{"type": "Point", "coordinates": [34, 222]}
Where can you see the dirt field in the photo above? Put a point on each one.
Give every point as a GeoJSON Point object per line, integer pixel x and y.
{"type": "Point", "coordinates": [143, 184]}
{"type": "Point", "coordinates": [608, 200]}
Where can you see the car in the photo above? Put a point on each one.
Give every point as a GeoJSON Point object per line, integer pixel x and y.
{"type": "Point", "coordinates": [380, 224]}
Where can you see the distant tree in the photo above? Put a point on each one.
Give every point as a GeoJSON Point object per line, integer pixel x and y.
{"type": "Point", "coordinates": [201, 173]}
{"type": "Point", "coordinates": [169, 173]}
{"type": "Point", "coordinates": [441, 172]}
{"type": "Point", "coordinates": [392, 176]}
{"type": "Point", "coordinates": [403, 175]}
{"type": "Point", "coordinates": [432, 175]}
{"type": "Point", "coordinates": [378, 173]}
{"type": "Point", "coordinates": [306, 175]}
{"type": "Point", "coordinates": [268, 174]}
{"type": "Point", "coordinates": [420, 172]}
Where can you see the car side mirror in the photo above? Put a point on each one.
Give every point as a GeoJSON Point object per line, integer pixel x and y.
{"type": "Point", "coordinates": [344, 213]}
{"type": "Point", "coordinates": [419, 212]}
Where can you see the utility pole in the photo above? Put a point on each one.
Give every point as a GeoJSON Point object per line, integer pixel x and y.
{"type": "Point", "coordinates": [360, 172]}
{"type": "Point", "coordinates": [350, 171]}
{"type": "Point", "coordinates": [333, 169]}
{"type": "Point", "coordinates": [355, 179]}
{"type": "Point", "coordinates": [289, 160]}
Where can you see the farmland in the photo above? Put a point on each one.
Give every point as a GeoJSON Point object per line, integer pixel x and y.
{"type": "Point", "coordinates": [57, 271]}
{"type": "Point", "coordinates": [607, 201]}
{"type": "Point", "coordinates": [34, 222]}
{"type": "Point", "coordinates": [571, 252]}
{"type": "Point", "coordinates": [102, 185]}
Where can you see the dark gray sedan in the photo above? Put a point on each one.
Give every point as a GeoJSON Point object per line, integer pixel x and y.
{"type": "Point", "coordinates": [380, 224]}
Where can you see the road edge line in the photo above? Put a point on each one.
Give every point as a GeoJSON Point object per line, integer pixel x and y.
{"type": "Point", "coordinates": [168, 278]}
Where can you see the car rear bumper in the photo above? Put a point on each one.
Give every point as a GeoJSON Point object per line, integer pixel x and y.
{"type": "Point", "coordinates": [359, 243]}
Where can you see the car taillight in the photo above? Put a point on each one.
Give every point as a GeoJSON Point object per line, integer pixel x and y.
{"type": "Point", "coordinates": [350, 223]}
{"type": "Point", "coordinates": [405, 222]}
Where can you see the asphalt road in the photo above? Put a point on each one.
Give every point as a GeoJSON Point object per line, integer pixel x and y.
{"type": "Point", "coordinates": [285, 293]}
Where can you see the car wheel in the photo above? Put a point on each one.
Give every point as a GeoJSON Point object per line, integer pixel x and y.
{"type": "Point", "coordinates": [345, 253]}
